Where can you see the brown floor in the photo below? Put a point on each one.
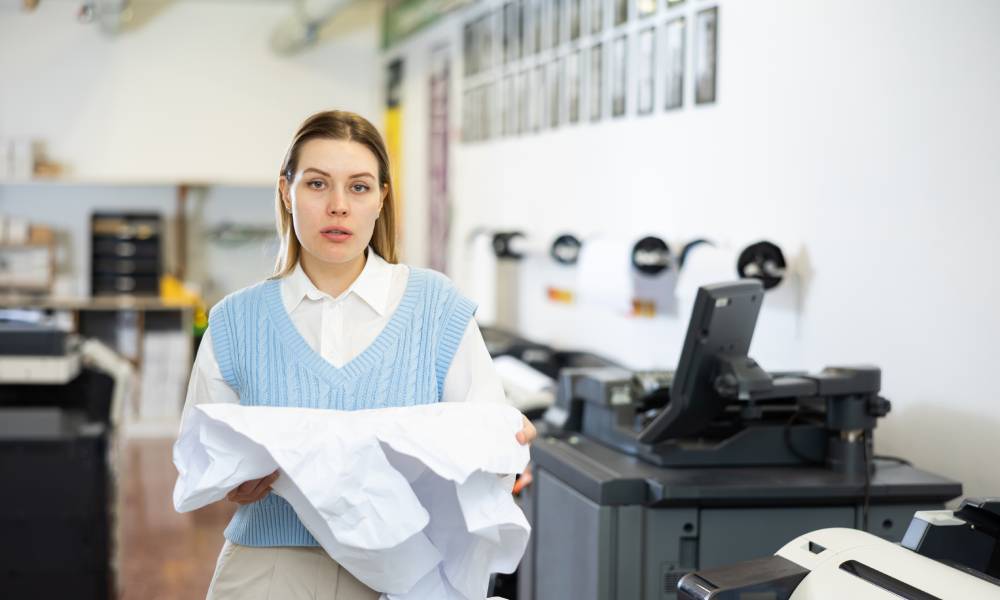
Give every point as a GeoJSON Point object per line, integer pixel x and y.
{"type": "Point", "coordinates": [164, 555]}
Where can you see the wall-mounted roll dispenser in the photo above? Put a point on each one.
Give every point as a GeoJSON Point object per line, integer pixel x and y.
{"type": "Point", "coordinates": [651, 256]}
{"type": "Point", "coordinates": [509, 244]}
{"type": "Point", "coordinates": [566, 249]}
{"type": "Point", "coordinates": [764, 261]}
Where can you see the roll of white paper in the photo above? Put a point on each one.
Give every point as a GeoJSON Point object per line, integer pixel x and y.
{"type": "Point", "coordinates": [604, 274]}
{"type": "Point", "coordinates": [481, 276]}
{"type": "Point", "coordinates": [704, 264]}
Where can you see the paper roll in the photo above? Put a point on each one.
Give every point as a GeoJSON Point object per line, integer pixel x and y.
{"type": "Point", "coordinates": [704, 264]}
{"type": "Point", "coordinates": [481, 276]}
{"type": "Point", "coordinates": [604, 274]}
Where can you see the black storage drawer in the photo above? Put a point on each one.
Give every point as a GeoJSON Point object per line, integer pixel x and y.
{"type": "Point", "coordinates": [126, 284]}
{"type": "Point", "coordinates": [110, 247]}
{"type": "Point", "coordinates": [125, 266]}
{"type": "Point", "coordinates": [126, 255]}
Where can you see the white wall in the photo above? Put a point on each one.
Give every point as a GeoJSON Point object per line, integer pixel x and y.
{"type": "Point", "coordinates": [863, 137]}
{"type": "Point", "coordinates": [193, 93]}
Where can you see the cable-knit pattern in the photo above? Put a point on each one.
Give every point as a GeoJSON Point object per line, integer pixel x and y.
{"type": "Point", "coordinates": [264, 358]}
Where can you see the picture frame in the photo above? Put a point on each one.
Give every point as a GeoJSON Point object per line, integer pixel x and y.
{"type": "Point", "coordinates": [555, 82]}
{"type": "Point", "coordinates": [511, 31]}
{"type": "Point", "coordinates": [646, 71]}
{"type": "Point", "coordinates": [597, 16]}
{"type": "Point", "coordinates": [674, 62]}
{"type": "Point", "coordinates": [595, 78]}
{"type": "Point", "coordinates": [573, 92]}
{"type": "Point", "coordinates": [645, 8]}
{"type": "Point", "coordinates": [488, 103]}
{"type": "Point", "coordinates": [619, 75]}
{"type": "Point", "coordinates": [530, 29]}
{"type": "Point", "coordinates": [510, 102]}
{"type": "Point", "coordinates": [524, 102]}
{"type": "Point", "coordinates": [469, 52]}
{"type": "Point", "coordinates": [539, 115]}
{"type": "Point", "coordinates": [486, 40]}
{"type": "Point", "coordinates": [466, 116]}
{"type": "Point", "coordinates": [556, 22]}
{"type": "Point", "coordinates": [706, 57]}
{"type": "Point", "coordinates": [620, 12]}
{"type": "Point", "coordinates": [575, 8]}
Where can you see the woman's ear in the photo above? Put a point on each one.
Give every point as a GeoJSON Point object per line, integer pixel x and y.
{"type": "Point", "coordinates": [283, 190]}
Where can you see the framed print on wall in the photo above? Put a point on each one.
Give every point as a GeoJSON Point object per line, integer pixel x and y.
{"type": "Point", "coordinates": [574, 8]}
{"type": "Point", "coordinates": [573, 87]}
{"type": "Point", "coordinates": [597, 16]}
{"type": "Point", "coordinates": [541, 100]}
{"type": "Point", "coordinates": [645, 8]}
{"type": "Point", "coordinates": [674, 62]}
{"type": "Point", "coordinates": [555, 83]}
{"type": "Point", "coordinates": [621, 12]}
{"type": "Point", "coordinates": [646, 71]}
{"type": "Point", "coordinates": [619, 75]}
{"type": "Point", "coordinates": [706, 57]}
{"type": "Point", "coordinates": [486, 31]}
{"type": "Point", "coordinates": [529, 29]}
{"type": "Point", "coordinates": [510, 105]}
{"type": "Point", "coordinates": [524, 102]}
{"type": "Point", "coordinates": [468, 51]}
{"type": "Point", "coordinates": [595, 78]}
{"type": "Point", "coordinates": [556, 22]}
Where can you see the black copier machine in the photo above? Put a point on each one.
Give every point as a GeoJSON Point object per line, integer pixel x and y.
{"type": "Point", "coordinates": [643, 477]}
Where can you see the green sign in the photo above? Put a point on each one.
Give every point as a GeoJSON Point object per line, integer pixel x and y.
{"type": "Point", "coordinates": [404, 17]}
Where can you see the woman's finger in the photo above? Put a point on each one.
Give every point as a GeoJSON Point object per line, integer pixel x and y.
{"type": "Point", "coordinates": [527, 433]}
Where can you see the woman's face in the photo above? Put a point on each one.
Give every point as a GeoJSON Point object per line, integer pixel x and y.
{"type": "Point", "coordinates": [334, 198]}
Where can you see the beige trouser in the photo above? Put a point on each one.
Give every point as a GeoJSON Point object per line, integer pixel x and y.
{"type": "Point", "coordinates": [282, 573]}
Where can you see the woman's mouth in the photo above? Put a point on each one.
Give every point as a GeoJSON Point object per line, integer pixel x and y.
{"type": "Point", "coordinates": [337, 234]}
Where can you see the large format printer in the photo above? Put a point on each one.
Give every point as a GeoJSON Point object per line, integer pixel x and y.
{"type": "Point", "coordinates": [944, 555]}
{"type": "Point", "coordinates": [647, 476]}
{"type": "Point", "coordinates": [57, 410]}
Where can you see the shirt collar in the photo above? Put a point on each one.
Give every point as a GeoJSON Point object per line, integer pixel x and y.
{"type": "Point", "coordinates": [372, 285]}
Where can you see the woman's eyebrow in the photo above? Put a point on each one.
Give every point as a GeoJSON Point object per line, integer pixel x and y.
{"type": "Point", "coordinates": [324, 173]}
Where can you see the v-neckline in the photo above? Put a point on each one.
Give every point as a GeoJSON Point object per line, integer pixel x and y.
{"type": "Point", "coordinates": [297, 345]}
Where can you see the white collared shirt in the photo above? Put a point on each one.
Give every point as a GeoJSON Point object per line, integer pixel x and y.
{"type": "Point", "coordinates": [341, 328]}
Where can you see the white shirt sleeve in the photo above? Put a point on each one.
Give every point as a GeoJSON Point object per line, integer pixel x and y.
{"type": "Point", "coordinates": [472, 377]}
{"type": "Point", "coordinates": [207, 384]}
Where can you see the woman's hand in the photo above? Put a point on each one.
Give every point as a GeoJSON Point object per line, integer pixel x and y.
{"type": "Point", "coordinates": [527, 433]}
{"type": "Point", "coordinates": [251, 491]}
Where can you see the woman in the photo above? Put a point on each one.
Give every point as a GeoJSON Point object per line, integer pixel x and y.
{"type": "Point", "coordinates": [341, 326]}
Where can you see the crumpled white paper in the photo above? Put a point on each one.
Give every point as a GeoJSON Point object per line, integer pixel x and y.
{"type": "Point", "coordinates": [409, 500]}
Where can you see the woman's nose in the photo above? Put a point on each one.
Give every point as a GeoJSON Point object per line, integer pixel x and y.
{"type": "Point", "coordinates": [338, 205]}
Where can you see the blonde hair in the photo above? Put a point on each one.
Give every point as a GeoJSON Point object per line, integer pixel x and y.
{"type": "Point", "coordinates": [336, 125]}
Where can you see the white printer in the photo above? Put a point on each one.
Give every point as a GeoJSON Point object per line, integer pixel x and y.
{"type": "Point", "coordinates": [944, 555]}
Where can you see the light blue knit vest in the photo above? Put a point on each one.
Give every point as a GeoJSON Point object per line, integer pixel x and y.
{"type": "Point", "coordinates": [265, 359]}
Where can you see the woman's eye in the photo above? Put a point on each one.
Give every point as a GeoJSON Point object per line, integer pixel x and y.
{"type": "Point", "coordinates": [316, 184]}
{"type": "Point", "coordinates": [360, 188]}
